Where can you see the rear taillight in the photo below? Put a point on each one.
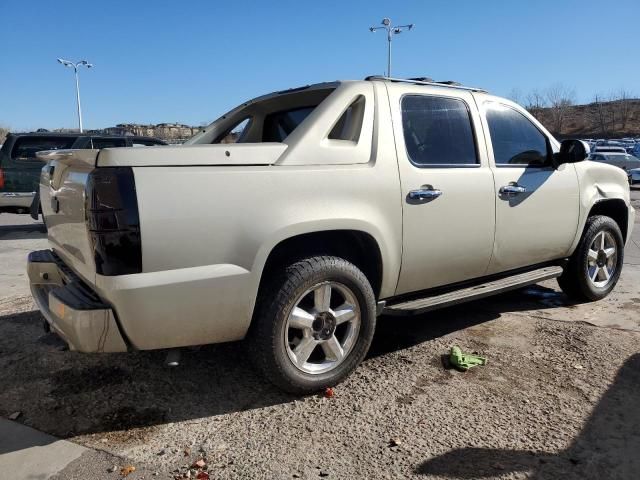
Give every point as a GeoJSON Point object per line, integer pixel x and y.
{"type": "Point", "coordinates": [113, 221]}
{"type": "Point", "coordinates": [1, 178]}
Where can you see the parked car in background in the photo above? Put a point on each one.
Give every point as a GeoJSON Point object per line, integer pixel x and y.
{"type": "Point", "coordinates": [327, 205]}
{"type": "Point", "coordinates": [621, 160]}
{"type": "Point", "coordinates": [20, 169]}
{"type": "Point", "coordinates": [609, 149]}
{"type": "Point", "coordinates": [634, 175]}
{"type": "Point", "coordinates": [627, 144]}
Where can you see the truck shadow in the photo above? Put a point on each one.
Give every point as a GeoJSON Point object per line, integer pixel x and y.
{"type": "Point", "coordinates": [68, 394]}
{"type": "Point", "coordinates": [397, 333]}
{"type": "Point", "coordinates": [607, 446]}
{"type": "Point", "coordinates": [21, 232]}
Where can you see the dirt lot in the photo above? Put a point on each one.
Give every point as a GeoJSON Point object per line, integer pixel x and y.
{"type": "Point", "coordinates": [557, 399]}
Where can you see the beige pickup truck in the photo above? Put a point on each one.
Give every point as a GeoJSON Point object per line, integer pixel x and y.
{"type": "Point", "coordinates": [297, 218]}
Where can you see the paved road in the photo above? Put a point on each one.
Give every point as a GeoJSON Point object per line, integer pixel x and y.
{"type": "Point", "coordinates": [19, 235]}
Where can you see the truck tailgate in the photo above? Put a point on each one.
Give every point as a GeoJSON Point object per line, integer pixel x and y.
{"type": "Point", "coordinates": [62, 196]}
{"type": "Point", "coordinates": [70, 175]}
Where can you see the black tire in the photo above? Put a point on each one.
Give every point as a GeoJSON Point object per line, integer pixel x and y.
{"type": "Point", "coordinates": [575, 281]}
{"type": "Point", "coordinates": [266, 337]}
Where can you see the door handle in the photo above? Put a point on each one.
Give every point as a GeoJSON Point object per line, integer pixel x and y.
{"type": "Point", "coordinates": [512, 190]}
{"type": "Point", "coordinates": [426, 192]}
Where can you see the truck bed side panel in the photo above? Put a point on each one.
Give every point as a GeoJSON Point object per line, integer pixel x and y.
{"type": "Point", "coordinates": [207, 233]}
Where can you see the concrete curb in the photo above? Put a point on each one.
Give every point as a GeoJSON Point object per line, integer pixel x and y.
{"type": "Point", "coordinates": [30, 454]}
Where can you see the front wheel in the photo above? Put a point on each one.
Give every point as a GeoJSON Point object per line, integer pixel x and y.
{"type": "Point", "coordinates": [594, 268]}
{"type": "Point", "coordinates": [314, 325]}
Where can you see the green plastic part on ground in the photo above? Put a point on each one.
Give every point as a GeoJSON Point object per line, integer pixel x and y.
{"type": "Point", "coordinates": [464, 361]}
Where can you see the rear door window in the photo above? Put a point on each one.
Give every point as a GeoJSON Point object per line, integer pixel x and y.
{"type": "Point", "coordinates": [438, 131]}
{"type": "Point", "coordinates": [25, 148]}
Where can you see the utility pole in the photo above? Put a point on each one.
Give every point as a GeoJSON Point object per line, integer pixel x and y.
{"type": "Point", "coordinates": [391, 30]}
{"type": "Point", "coordinates": [75, 66]}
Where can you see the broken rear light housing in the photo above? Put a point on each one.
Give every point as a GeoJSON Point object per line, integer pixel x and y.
{"type": "Point", "coordinates": [113, 221]}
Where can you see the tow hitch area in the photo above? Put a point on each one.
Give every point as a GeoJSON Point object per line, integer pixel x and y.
{"type": "Point", "coordinates": [173, 358]}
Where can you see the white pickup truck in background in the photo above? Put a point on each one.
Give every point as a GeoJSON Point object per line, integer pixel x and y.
{"type": "Point", "coordinates": [298, 217]}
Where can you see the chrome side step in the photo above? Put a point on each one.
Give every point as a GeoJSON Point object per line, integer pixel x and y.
{"type": "Point", "coordinates": [421, 305]}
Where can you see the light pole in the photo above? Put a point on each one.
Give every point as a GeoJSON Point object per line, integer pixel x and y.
{"type": "Point", "coordinates": [81, 63]}
{"type": "Point", "coordinates": [391, 30]}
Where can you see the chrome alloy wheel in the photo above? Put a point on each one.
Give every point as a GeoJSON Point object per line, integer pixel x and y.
{"type": "Point", "coordinates": [602, 259]}
{"type": "Point", "coordinates": [322, 328]}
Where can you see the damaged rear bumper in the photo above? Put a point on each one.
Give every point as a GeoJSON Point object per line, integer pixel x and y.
{"type": "Point", "coordinates": [72, 309]}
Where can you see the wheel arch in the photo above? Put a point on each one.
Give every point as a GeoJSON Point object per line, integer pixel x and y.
{"type": "Point", "coordinates": [371, 240]}
{"type": "Point", "coordinates": [355, 246]}
{"type": "Point", "coordinates": [616, 209]}
{"type": "Point", "coordinates": [604, 190]}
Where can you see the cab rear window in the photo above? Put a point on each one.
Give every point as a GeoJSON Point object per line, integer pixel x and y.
{"type": "Point", "coordinates": [25, 148]}
{"type": "Point", "coordinates": [279, 125]}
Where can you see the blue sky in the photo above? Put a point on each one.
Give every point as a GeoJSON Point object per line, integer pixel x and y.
{"type": "Point", "coordinates": [191, 61]}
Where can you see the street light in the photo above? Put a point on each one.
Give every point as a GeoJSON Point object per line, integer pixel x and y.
{"type": "Point", "coordinates": [391, 30]}
{"type": "Point", "coordinates": [81, 63]}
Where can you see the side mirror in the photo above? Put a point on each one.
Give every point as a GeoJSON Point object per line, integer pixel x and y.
{"type": "Point", "coordinates": [572, 151]}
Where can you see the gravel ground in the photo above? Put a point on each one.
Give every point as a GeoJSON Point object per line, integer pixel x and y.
{"type": "Point", "coordinates": [557, 399]}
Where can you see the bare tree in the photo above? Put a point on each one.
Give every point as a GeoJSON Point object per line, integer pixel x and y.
{"type": "Point", "coordinates": [559, 98]}
{"type": "Point", "coordinates": [622, 107]}
{"type": "Point", "coordinates": [4, 131]}
{"type": "Point", "coordinates": [515, 95]}
{"type": "Point", "coordinates": [535, 102]}
{"type": "Point", "coordinates": [600, 113]}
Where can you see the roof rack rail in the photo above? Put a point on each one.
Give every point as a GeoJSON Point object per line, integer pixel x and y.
{"type": "Point", "coordinates": [427, 81]}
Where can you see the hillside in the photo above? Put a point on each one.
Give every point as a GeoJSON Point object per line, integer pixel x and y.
{"type": "Point", "coordinates": [614, 119]}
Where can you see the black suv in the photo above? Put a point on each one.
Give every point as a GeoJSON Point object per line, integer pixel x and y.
{"type": "Point", "coordinates": [20, 169]}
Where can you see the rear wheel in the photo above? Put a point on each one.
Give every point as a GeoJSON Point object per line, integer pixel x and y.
{"type": "Point", "coordinates": [315, 324]}
{"type": "Point", "coordinates": [594, 268]}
